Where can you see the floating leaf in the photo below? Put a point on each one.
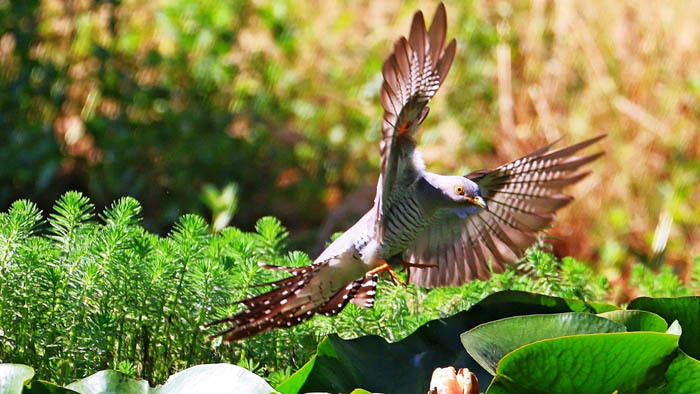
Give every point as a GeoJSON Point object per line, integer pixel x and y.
{"type": "Point", "coordinates": [629, 362]}
{"type": "Point", "coordinates": [405, 366]}
{"type": "Point", "coordinates": [42, 387]}
{"type": "Point", "coordinates": [637, 320]}
{"type": "Point", "coordinates": [683, 375]}
{"type": "Point", "coordinates": [489, 342]}
{"type": "Point", "coordinates": [684, 309]}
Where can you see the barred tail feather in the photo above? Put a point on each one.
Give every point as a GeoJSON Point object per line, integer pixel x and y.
{"type": "Point", "coordinates": [292, 301]}
{"type": "Point", "coordinates": [280, 307]}
{"type": "Point", "coordinates": [360, 292]}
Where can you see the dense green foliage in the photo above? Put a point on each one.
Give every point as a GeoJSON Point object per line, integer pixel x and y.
{"type": "Point", "coordinates": [79, 295]}
{"type": "Point", "coordinates": [405, 366]}
{"type": "Point", "coordinates": [515, 342]}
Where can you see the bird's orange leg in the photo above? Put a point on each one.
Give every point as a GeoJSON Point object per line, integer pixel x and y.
{"type": "Point", "coordinates": [384, 267]}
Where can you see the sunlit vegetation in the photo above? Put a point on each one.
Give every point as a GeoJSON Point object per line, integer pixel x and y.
{"type": "Point", "coordinates": [247, 131]}
{"type": "Point", "coordinates": [81, 292]}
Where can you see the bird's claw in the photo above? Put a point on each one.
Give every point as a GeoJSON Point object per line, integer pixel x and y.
{"type": "Point", "coordinates": [384, 267]}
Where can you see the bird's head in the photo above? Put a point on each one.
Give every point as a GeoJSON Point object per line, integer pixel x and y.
{"type": "Point", "coordinates": [462, 191]}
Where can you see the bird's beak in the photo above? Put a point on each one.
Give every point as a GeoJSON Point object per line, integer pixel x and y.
{"type": "Point", "coordinates": [478, 201]}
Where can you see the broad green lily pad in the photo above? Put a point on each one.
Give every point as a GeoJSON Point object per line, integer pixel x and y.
{"type": "Point", "coordinates": [637, 320]}
{"type": "Point", "coordinates": [684, 309]}
{"type": "Point", "coordinates": [489, 342]}
{"type": "Point", "coordinates": [629, 362]}
{"type": "Point", "coordinates": [43, 387]}
{"type": "Point", "coordinates": [683, 375]}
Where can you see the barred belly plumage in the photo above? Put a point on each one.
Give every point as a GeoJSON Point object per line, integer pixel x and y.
{"type": "Point", "coordinates": [403, 222]}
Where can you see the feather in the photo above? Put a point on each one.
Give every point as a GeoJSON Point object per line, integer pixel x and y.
{"type": "Point", "coordinates": [412, 75]}
{"type": "Point", "coordinates": [522, 195]}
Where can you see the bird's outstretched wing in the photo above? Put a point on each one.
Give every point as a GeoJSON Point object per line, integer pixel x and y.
{"type": "Point", "coordinates": [522, 197]}
{"type": "Point", "coordinates": [412, 75]}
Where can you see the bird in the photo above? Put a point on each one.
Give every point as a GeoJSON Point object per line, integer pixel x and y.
{"type": "Point", "coordinates": [444, 230]}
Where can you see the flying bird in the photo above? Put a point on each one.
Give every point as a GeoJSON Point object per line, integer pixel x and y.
{"type": "Point", "coordinates": [445, 230]}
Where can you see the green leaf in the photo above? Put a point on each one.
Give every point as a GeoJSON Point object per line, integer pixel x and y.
{"type": "Point", "coordinates": [684, 309]}
{"type": "Point", "coordinates": [215, 378]}
{"type": "Point", "coordinates": [499, 386]}
{"type": "Point", "coordinates": [629, 362]}
{"type": "Point", "coordinates": [13, 377]}
{"type": "Point", "coordinates": [406, 366]}
{"type": "Point", "coordinates": [109, 382]}
{"type": "Point", "coordinates": [601, 307]}
{"type": "Point", "coordinates": [683, 375]}
{"type": "Point", "coordinates": [489, 342]}
{"type": "Point", "coordinates": [42, 387]}
{"type": "Point", "coordinates": [637, 320]}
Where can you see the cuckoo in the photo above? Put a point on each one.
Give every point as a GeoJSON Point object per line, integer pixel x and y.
{"type": "Point", "coordinates": [445, 230]}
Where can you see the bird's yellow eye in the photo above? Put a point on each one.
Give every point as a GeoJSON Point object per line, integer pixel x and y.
{"type": "Point", "coordinates": [459, 189]}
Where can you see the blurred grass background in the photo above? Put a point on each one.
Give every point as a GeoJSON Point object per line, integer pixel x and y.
{"type": "Point", "coordinates": [173, 102]}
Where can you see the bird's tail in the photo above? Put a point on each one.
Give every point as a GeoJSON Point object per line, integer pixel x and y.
{"type": "Point", "coordinates": [293, 300]}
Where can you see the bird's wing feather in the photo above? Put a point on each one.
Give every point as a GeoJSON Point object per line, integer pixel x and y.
{"type": "Point", "coordinates": [412, 75]}
{"type": "Point", "coordinates": [522, 196]}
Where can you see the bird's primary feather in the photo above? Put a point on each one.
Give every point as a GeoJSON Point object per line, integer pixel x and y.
{"type": "Point", "coordinates": [412, 74]}
{"type": "Point", "coordinates": [522, 196]}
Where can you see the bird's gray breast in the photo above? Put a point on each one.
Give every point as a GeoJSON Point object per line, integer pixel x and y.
{"type": "Point", "coordinates": [403, 222]}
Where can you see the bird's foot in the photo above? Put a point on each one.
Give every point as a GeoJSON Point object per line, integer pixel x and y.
{"type": "Point", "coordinates": [407, 266]}
{"type": "Point", "coordinates": [384, 267]}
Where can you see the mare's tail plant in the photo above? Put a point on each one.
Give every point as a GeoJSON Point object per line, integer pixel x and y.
{"type": "Point", "coordinates": [78, 294]}
{"type": "Point", "coordinates": [85, 291]}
